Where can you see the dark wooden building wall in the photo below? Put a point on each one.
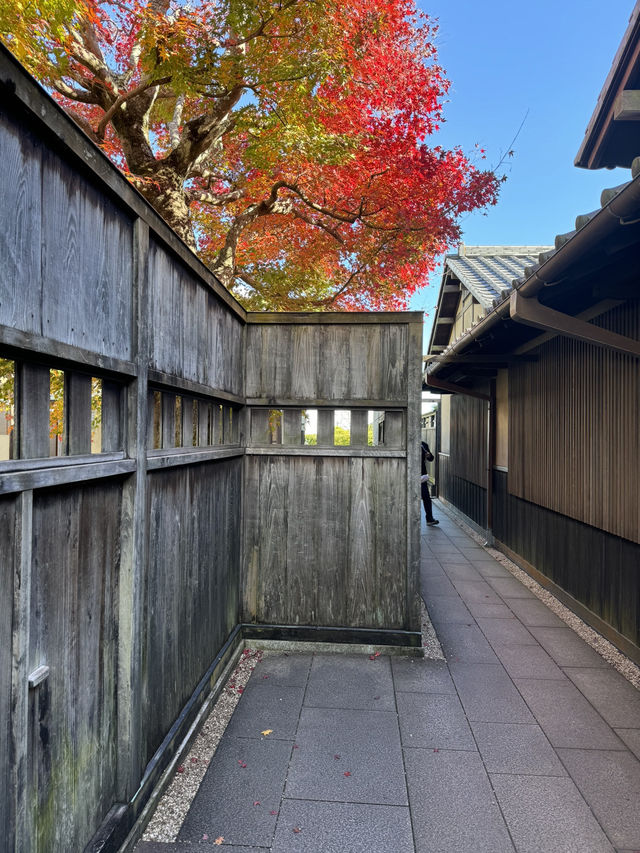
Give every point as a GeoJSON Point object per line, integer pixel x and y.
{"type": "Point", "coordinates": [599, 571]}
{"type": "Point", "coordinates": [466, 496]}
{"type": "Point", "coordinates": [574, 441]}
{"type": "Point", "coordinates": [463, 472]}
{"type": "Point", "coordinates": [469, 439]}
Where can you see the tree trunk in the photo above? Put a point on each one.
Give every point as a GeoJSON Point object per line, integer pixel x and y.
{"type": "Point", "coordinates": [164, 191]}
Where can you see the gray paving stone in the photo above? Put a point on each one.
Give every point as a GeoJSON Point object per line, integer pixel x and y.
{"type": "Point", "coordinates": [264, 705]}
{"type": "Point", "coordinates": [368, 746]}
{"type": "Point", "coordinates": [430, 567]}
{"type": "Point", "coordinates": [527, 661]}
{"type": "Point", "coordinates": [490, 568]}
{"type": "Point", "coordinates": [476, 592]}
{"type": "Point", "coordinates": [483, 610]}
{"type": "Point", "coordinates": [438, 585]}
{"type": "Point", "coordinates": [534, 612]}
{"type": "Point", "coordinates": [547, 815]}
{"type": "Point", "coordinates": [516, 748]}
{"type": "Point", "coordinates": [610, 783]}
{"type": "Point", "coordinates": [441, 608]}
{"type": "Point", "coordinates": [433, 721]}
{"type": "Point", "coordinates": [342, 828]}
{"type": "Point", "coordinates": [420, 675]}
{"type": "Point", "coordinates": [289, 669]}
{"type": "Point", "coordinates": [452, 804]}
{"type": "Point", "coordinates": [631, 737]}
{"type": "Point", "coordinates": [224, 804]}
{"type": "Point", "coordinates": [203, 847]}
{"type": "Point", "coordinates": [565, 716]}
{"type": "Point", "coordinates": [463, 571]}
{"type": "Point", "coordinates": [350, 681]}
{"type": "Point", "coordinates": [567, 648]}
{"type": "Point", "coordinates": [610, 693]}
{"type": "Point", "coordinates": [510, 587]}
{"type": "Point", "coordinates": [465, 642]}
{"type": "Point", "coordinates": [488, 694]}
{"type": "Point", "coordinates": [509, 630]}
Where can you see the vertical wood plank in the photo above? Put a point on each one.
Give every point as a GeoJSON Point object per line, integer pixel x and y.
{"type": "Point", "coordinates": [33, 411]}
{"type": "Point", "coordinates": [292, 427]}
{"type": "Point", "coordinates": [18, 823]}
{"type": "Point", "coordinates": [77, 394]}
{"type": "Point", "coordinates": [132, 644]}
{"type": "Point", "coordinates": [413, 366]}
{"type": "Point", "coordinates": [359, 427]}
{"type": "Point", "coordinates": [260, 432]}
{"type": "Point", "coordinates": [187, 421]}
{"type": "Point", "coordinates": [111, 424]}
{"type": "Point", "coordinates": [326, 427]}
{"type": "Point", "coordinates": [394, 432]}
{"type": "Point", "coordinates": [168, 419]}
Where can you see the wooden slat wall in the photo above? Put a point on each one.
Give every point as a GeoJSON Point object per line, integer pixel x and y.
{"type": "Point", "coordinates": [88, 257]}
{"type": "Point", "coordinates": [292, 361]}
{"type": "Point", "coordinates": [129, 562]}
{"type": "Point", "coordinates": [468, 439]}
{"type": "Point", "coordinates": [331, 533]}
{"type": "Point", "coordinates": [574, 441]}
{"type": "Point", "coordinates": [193, 335]}
{"type": "Point", "coordinates": [192, 583]}
{"type": "Point", "coordinates": [72, 754]}
{"type": "Point", "coordinates": [596, 568]}
{"type": "Point", "coordinates": [325, 539]}
{"type": "Point", "coordinates": [7, 574]}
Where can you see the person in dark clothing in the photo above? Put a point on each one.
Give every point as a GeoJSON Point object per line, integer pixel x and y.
{"type": "Point", "coordinates": [427, 456]}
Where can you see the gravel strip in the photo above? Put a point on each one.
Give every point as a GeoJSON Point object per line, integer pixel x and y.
{"type": "Point", "coordinates": [174, 805]}
{"type": "Point", "coordinates": [430, 643]}
{"type": "Point", "coordinates": [607, 650]}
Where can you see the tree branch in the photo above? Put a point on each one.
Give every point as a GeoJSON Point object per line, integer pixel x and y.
{"type": "Point", "coordinates": [121, 99]}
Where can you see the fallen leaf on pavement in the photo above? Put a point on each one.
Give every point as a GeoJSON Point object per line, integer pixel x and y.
{"type": "Point", "coordinates": [266, 732]}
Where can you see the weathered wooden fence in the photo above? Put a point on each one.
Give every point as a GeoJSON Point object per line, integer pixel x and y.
{"type": "Point", "coordinates": [131, 571]}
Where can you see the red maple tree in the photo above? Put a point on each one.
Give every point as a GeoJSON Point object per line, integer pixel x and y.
{"type": "Point", "coordinates": [284, 140]}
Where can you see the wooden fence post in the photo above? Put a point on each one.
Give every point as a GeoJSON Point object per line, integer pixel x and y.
{"type": "Point", "coordinates": [133, 556]}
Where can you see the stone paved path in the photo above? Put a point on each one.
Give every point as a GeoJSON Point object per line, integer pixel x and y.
{"type": "Point", "coordinates": [525, 739]}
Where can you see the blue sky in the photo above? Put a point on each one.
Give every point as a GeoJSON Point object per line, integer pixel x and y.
{"type": "Point", "coordinates": [548, 61]}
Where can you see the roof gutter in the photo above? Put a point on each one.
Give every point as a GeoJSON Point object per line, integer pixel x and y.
{"type": "Point", "coordinates": [622, 209]}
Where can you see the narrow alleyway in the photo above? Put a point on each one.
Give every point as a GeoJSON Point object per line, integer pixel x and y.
{"type": "Point", "coordinates": [524, 739]}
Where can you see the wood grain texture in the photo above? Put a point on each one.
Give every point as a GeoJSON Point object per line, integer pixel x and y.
{"type": "Point", "coordinates": [33, 411]}
{"type": "Point", "coordinates": [326, 540]}
{"type": "Point", "coordinates": [20, 226]}
{"type": "Point", "coordinates": [192, 586]}
{"type": "Point", "coordinates": [10, 774]}
{"type": "Point", "coordinates": [86, 274]}
{"type": "Point", "coordinates": [72, 739]}
{"type": "Point", "coordinates": [573, 429]}
{"type": "Point", "coordinates": [331, 362]}
{"type": "Point", "coordinates": [77, 389]}
{"type": "Point", "coordinates": [194, 335]}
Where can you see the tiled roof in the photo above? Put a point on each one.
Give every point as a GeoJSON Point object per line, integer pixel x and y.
{"type": "Point", "coordinates": [488, 272]}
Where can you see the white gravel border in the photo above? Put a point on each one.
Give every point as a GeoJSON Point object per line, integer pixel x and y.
{"type": "Point", "coordinates": [176, 800]}
{"type": "Point", "coordinates": [619, 661]}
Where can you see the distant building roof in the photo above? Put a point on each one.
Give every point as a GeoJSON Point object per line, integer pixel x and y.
{"type": "Point", "coordinates": [612, 137]}
{"type": "Point", "coordinates": [488, 272]}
